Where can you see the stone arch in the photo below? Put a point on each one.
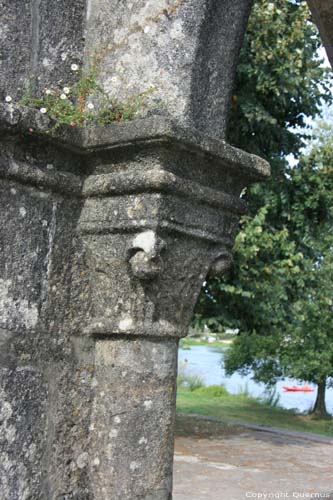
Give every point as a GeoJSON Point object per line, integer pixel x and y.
{"type": "Point", "coordinates": [322, 11]}
{"type": "Point", "coordinates": [89, 335]}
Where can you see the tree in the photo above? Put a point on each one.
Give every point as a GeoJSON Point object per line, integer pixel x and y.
{"type": "Point", "coordinates": [287, 329]}
{"type": "Point", "coordinates": [280, 82]}
{"type": "Point", "coordinates": [312, 229]}
{"type": "Point", "coordinates": [280, 79]}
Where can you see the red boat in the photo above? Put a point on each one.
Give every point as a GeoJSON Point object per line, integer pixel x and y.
{"type": "Point", "coordinates": [295, 388]}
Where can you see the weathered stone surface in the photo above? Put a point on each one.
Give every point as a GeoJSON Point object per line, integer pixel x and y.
{"type": "Point", "coordinates": [39, 39]}
{"type": "Point", "coordinates": [133, 409]}
{"type": "Point", "coordinates": [322, 11]}
{"type": "Point", "coordinates": [212, 456]}
{"type": "Point", "coordinates": [59, 39]}
{"type": "Point", "coordinates": [107, 235]}
{"type": "Point", "coordinates": [186, 49]}
{"type": "Point", "coordinates": [43, 402]}
{"type": "Point", "coordinates": [16, 41]}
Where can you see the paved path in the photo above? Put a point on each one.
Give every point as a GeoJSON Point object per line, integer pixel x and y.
{"type": "Point", "coordinates": [222, 462]}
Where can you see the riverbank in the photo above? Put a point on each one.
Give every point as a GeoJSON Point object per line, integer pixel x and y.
{"type": "Point", "coordinates": [215, 401]}
{"type": "Point", "coordinates": [206, 362]}
{"type": "Point", "coordinates": [189, 342]}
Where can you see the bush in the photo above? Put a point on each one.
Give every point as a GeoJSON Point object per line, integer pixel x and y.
{"type": "Point", "coordinates": [214, 391]}
{"type": "Point", "coordinates": [190, 382]}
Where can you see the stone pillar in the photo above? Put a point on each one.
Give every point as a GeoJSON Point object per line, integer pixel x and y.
{"type": "Point", "coordinates": [151, 232]}
{"type": "Point", "coordinates": [106, 236]}
{"type": "Point", "coordinates": [104, 252]}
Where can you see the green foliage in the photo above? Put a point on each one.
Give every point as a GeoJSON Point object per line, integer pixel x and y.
{"type": "Point", "coordinates": [281, 294]}
{"type": "Point", "coordinates": [278, 293]}
{"type": "Point", "coordinates": [84, 103]}
{"type": "Point", "coordinates": [280, 80]}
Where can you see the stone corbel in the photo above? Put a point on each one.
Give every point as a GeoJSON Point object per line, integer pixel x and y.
{"type": "Point", "coordinates": [145, 255]}
{"type": "Point", "coordinates": [221, 264]}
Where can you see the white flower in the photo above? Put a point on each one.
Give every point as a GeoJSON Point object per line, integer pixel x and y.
{"type": "Point", "coordinates": [90, 105]}
{"type": "Point", "coordinates": [8, 98]}
{"type": "Point", "coordinates": [48, 92]}
{"type": "Point", "coordinates": [43, 110]}
{"type": "Point", "coordinates": [74, 67]}
{"type": "Point", "coordinates": [63, 96]}
{"type": "Point", "coordinates": [66, 90]}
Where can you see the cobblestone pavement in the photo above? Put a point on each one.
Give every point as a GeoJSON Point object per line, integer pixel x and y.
{"type": "Point", "coordinates": [219, 462]}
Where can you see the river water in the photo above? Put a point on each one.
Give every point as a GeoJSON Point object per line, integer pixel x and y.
{"type": "Point", "coordinates": [206, 362]}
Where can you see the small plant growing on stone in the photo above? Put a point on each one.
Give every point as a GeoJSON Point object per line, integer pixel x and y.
{"type": "Point", "coordinates": [83, 103]}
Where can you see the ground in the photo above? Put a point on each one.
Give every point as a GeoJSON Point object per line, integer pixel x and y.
{"type": "Point", "coordinates": [215, 461]}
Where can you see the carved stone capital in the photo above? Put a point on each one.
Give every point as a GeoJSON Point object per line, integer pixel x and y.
{"type": "Point", "coordinates": [153, 230]}
{"type": "Point", "coordinates": [221, 264]}
{"type": "Point", "coordinates": [152, 221]}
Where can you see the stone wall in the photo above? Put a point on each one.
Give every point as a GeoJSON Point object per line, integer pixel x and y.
{"type": "Point", "coordinates": [45, 372]}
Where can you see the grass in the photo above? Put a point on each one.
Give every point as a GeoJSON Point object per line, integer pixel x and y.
{"type": "Point", "coordinates": [215, 401]}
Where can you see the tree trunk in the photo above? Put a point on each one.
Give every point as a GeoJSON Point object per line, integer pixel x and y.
{"type": "Point", "coordinates": [320, 406]}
